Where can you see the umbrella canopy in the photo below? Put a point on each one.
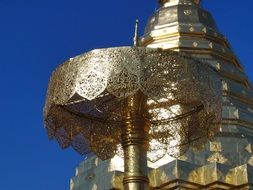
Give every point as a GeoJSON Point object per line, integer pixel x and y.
{"type": "Point", "coordinates": [86, 101]}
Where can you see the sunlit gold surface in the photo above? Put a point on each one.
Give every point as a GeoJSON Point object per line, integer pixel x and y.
{"type": "Point", "coordinates": [176, 174]}
{"type": "Point", "coordinates": [135, 143]}
{"type": "Point", "coordinates": [137, 102]}
{"type": "Point", "coordinates": [226, 162]}
{"type": "Point", "coordinates": [87, 103]}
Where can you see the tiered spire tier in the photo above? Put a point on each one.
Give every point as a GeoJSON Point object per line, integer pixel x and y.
{"type": "Point", "coordinates": [163, 2]}
{"type": "Point", "coordinates": [182, 25]}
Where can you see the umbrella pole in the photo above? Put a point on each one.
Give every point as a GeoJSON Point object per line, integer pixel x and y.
{"type": "Point", "coordinates": [135, 144]}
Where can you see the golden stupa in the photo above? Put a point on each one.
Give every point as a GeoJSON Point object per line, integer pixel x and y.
{"type": "Point", "coordinates": [224, 163]}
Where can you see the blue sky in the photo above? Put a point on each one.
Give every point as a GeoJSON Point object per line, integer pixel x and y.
{"type": "Point", "coordinates": [36, 36]}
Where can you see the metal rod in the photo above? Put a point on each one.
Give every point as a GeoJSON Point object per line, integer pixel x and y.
{"type": "Point", "coordinates": [136, 34]}
{"type": "Point", "coordinates": [135, 144]}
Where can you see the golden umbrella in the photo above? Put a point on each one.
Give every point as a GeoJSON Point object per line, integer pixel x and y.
{"type": "Point", "coordinates": [136, 102]}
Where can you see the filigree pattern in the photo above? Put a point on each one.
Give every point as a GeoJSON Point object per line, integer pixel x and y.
{"type": "Point", "coordinates": [85, 103]}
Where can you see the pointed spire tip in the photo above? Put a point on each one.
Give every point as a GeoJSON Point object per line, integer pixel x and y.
{"type": "Point", "coordinates": [136, 37]}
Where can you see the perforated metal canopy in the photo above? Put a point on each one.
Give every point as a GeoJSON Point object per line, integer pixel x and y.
{"type": "Point", "coordinates": [86, 100]}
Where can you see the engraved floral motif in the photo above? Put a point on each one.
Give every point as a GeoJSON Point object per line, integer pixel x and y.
{"type": "Point", "coordinates": [217, 157]}
{"type": "Point", "coordinates": [87, 97]}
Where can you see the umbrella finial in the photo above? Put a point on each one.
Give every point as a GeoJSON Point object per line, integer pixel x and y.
{"type": "Point", "coordinates": [136, 37]}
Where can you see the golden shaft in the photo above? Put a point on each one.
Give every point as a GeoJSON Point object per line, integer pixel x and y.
{"type": "Point", "coordinates": [135, 145]}
{"type": "Point", "coordinates": [134, 141]}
